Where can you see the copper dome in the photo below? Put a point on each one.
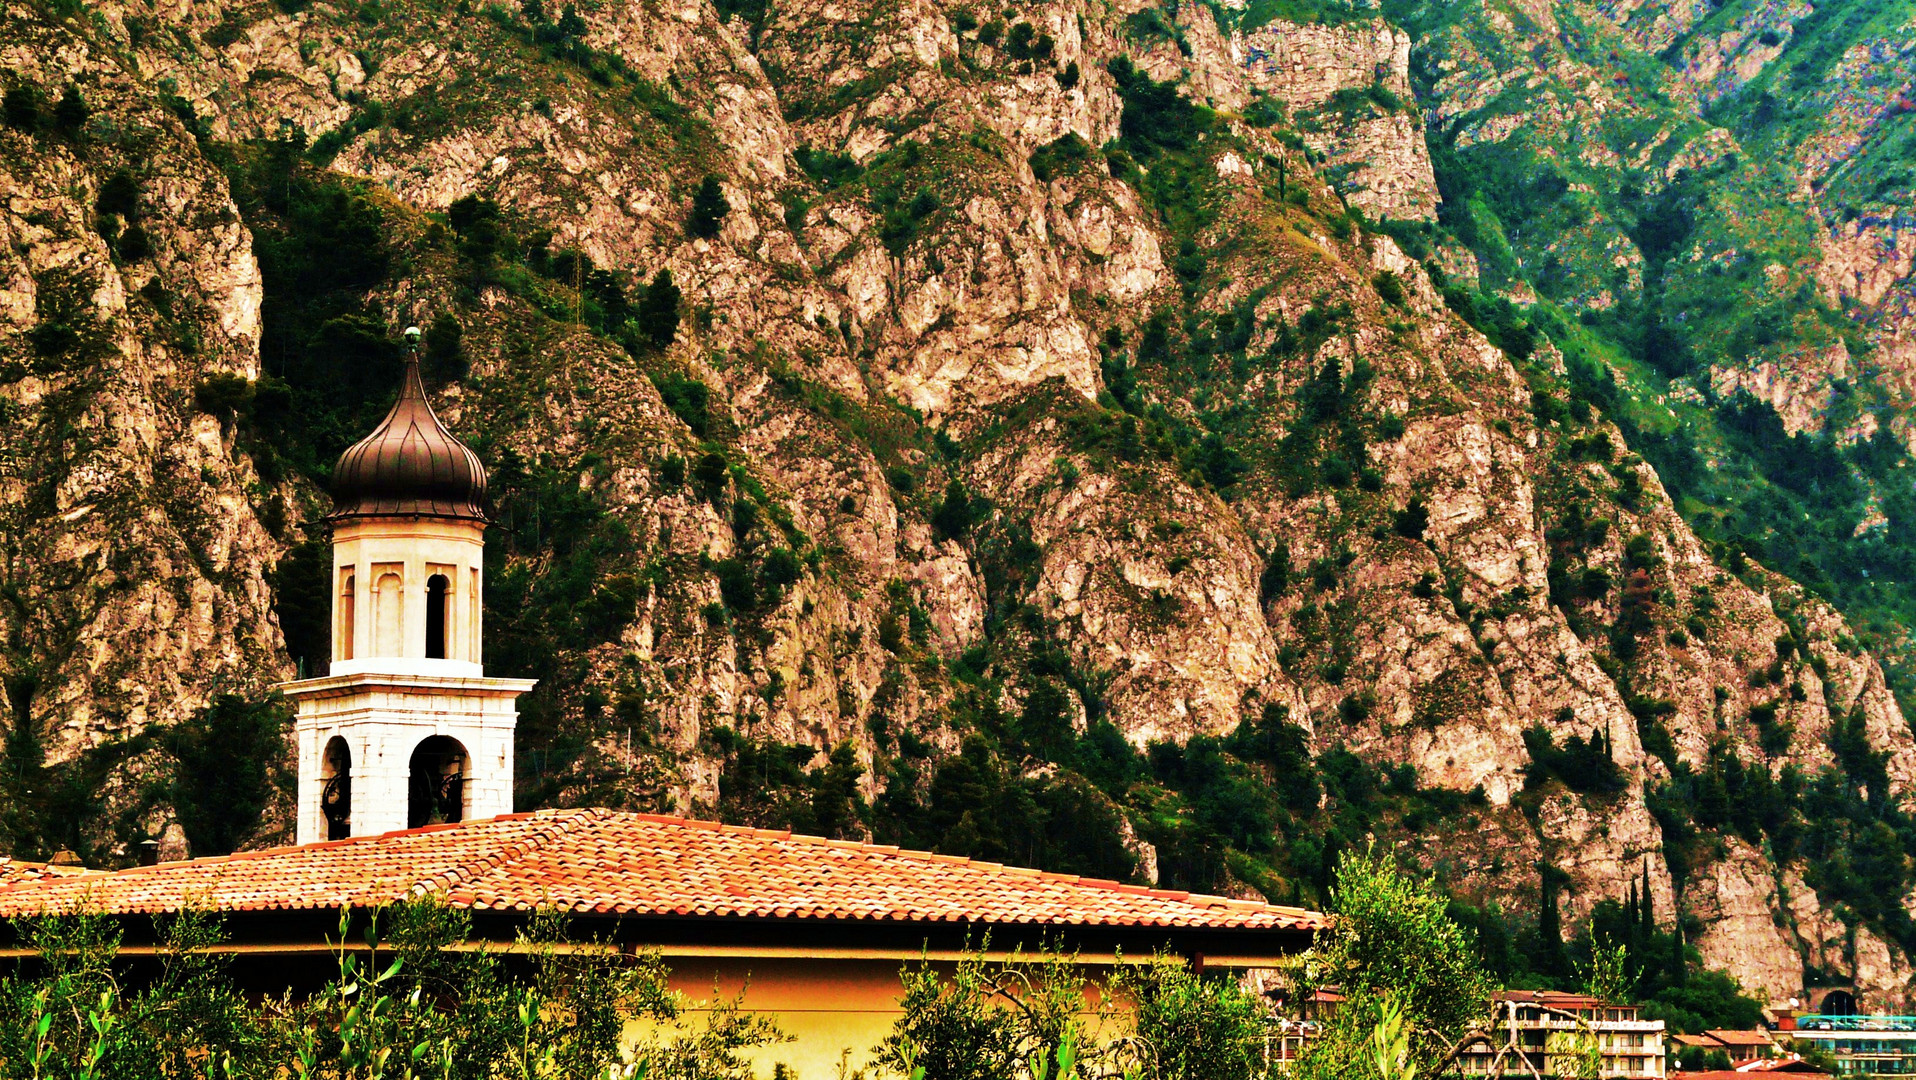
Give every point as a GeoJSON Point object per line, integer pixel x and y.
{"type": "Point", "coordinates": [409, 466]}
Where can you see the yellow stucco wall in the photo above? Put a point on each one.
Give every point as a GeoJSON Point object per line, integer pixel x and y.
{"type": "Point", "coordinates": [835, 1010]}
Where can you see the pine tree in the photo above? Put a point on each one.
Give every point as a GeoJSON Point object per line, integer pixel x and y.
{"type": "Point", "coordinates": [708, 209]}
{"type": "Point", "coordinates": [658, 316]}
{"type": "Point", "coordinates": [71, 114]}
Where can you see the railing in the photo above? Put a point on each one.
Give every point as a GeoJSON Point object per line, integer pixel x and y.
{"type": "Point", "coordinates": [1559, 1023]}
{"type": "Point", "coordinates": [1818, 1022]}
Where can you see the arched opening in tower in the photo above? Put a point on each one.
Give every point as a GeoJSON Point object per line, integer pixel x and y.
{"type": "Point", "coordinates": [438, 596]}
{"type": "Point", "coordinates": [438, 786]}
{"type": "Point", "coordinates": [336, 788]}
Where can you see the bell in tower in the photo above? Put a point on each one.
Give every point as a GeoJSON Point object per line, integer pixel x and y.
{"type": "Point", "coordinates": [405, 729]}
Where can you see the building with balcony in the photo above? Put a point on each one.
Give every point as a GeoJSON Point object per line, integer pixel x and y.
{"type": "Point", "coordinates": [1860, 1045]}
{"type": "Point", "coordinates": [1552, 1029]}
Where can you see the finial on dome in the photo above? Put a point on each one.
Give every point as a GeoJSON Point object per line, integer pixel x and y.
{"type": "Point", "coordinates": [410, 466]}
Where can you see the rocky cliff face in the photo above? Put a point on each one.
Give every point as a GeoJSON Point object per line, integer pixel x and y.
{"type": "Point", "coordinates": [134, 535]}
{"type": "Point", "coordinates": [963, 407]}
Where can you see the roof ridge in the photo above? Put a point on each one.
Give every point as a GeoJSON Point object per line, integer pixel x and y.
{"type": "Point", "coordinates": [1103, 884]}
{"type": "Point", "coordinates": [260, 853]}
{"type": "Point", "coordinates": [459, 874]}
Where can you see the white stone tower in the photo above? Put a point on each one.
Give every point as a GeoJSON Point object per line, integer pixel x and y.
{"type": "Point", "coordinates": [405, 729]}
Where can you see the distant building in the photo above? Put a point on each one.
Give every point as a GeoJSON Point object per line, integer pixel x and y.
{"type": "Point", "coordinates": [1627, 1045]}
{"type": "Point", "coordinates": [1736, 1045]}
{"type": "Point", "coordinates": [1797, 1068]}
{"type": "Point", "coordinates": [1543, 1025]}
{"type": "Point", "coordinates": [1861, 1045]}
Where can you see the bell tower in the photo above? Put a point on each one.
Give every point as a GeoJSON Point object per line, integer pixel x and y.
{"type": "Point", "coordinates": [405, 729]}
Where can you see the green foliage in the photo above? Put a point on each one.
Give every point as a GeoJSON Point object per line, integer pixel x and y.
{"type": "Point", "coordinates": [1149, 24]}
{"type": "Point", "coordinates": [223, 394]}
{"type": "Point", "coordinates": [412, 1007]}
{"type": "Point", "coordinates": [229, 764]}
{"type": "Point", "coordinates": [708, 209]}
{"type": "Point", "coordinates": [900, 186]}
{"type": "Point", "coordinates": [444, 358]}
{"type": "Point", "coordinates": [1056, 158]}
{"type": "Point", "coordinates": [1585, 767]}
{"type": "Point", "coordinates": [23, 108]}
{"type": "Point", "coordinates": [302, 603]}
{"type": "Point", "coordinates": [658, 313]}
{"type": "Point", "coordinates": [767, 784]}
{"type": "Point", "coordinates": [1393, 936]}
{"type": "Point", "coordinates": [827, 169]}
{"type": "Point", "coordinates": [954, 1029]}
{"type": "Point", "coordinates": [1197, 1028]}
{"type": "Point", "coordinates": [688, 398]}
{"type": "Point", "coordinates": [1020, 1018]}
{"type": "Point", "coordinates": [1156, 119]}
{"type": "Point", "coordinates": [1412, 520]}
{"type": "Point", "coordinates": [953, 517]}
{"type": "Point", "coordinates": [1390, 288]}
{"type": "Point", "coordinates": [979, 804]}
{"type": "Point", "coordinates": [72, 112]}
{"type": "Point", "coordinates": [119, 195]}
{"type": "Point", "coordinates": [1656, 968]}
{"type": "Point", "coordinates": [322, 247]}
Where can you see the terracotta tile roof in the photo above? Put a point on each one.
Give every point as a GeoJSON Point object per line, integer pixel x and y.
{"type": "Point", "coordinates": [1556, 999]}
{"type": "Point", "coordinates": [606, 862]}
{"type": "Point", "coordinates": [1730, 1037]}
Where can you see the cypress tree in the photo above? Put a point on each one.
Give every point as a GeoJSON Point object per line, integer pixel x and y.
{"type": "Point", "coordinates": [1677, 973]}
{"type": "Point", "coordinates": [1550, 922]}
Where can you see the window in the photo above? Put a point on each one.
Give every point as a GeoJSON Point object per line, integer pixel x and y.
{"type": "Point", "coordinates": [438, 601]}
{"type": "Point", "coordinates": [387, 597]}
{"type": "Point", "coordinates": [346, 616]}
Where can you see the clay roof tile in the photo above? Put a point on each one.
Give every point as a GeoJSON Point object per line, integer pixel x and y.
{"type": "Point", "coordinates": [599, 860]}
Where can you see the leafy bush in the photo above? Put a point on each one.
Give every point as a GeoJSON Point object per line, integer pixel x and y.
{"type": "Point", "coordinates": [1392, 947]}
{"type": "Point", "coordinates": [1020, 1019]}
{"type": "Point", "coordinates": [23, 108]}
{"type": "Point", "coordinates": [1054, 159]}
{"type": "Point", "coordinates": [1156, 117]}
{"type": "Point", "coordinates": [1412, 520]}
{"type": "Point", "coordinates": [688, 398]}
{"type": "Point", "coordinates": [826, 168]}
{"type": "Point", "coordinates": [228, 767]}
{"type": "Point", "coordinates": [224, 395]}
{"type": "Point", "coordinates": [1390, 288]}
{"type": "Point", "coordinates": [426, 1010]}
{"type": "Point", "coordinates": [72, 112]}
{"type": "Point", "coordinates": [1583, 766]}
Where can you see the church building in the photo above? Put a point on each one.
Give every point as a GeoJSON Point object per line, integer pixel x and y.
{"type": "Point", "coordinates": [405, 729]}
{"type": "Point", "coordinates": [405, 792]}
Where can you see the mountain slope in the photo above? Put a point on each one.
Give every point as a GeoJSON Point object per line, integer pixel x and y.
{"type": "Point", "coordinates": [1010, 435]}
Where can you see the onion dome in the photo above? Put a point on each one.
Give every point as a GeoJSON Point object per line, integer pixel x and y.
{"type": "Point", "coordinates": [410, 466]}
